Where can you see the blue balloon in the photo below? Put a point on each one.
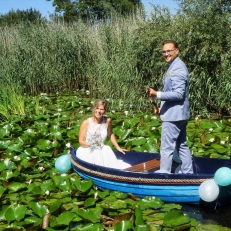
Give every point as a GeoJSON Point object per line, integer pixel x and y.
{"type": "Point", "coordinates": [63, 163]}
{"type": "Point", "coordinates": [223, 176]}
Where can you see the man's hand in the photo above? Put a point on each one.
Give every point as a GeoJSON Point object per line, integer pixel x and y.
{"type": "Point", "coordinates": [157, 110]}
{"type": "Point", "coordinates": [150, 92]}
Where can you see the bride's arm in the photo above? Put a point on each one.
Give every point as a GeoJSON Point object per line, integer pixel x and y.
{"type": "Point", "coordinates": [112, 137]}
{"type": "Point", "coordinates": [82, 134]}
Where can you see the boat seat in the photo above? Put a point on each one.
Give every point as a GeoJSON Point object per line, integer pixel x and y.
{"type": "Point", "coordinates": [145, 166]}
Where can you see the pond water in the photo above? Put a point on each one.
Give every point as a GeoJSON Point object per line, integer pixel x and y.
{"type": "Point", "coordinates": [217, 215]}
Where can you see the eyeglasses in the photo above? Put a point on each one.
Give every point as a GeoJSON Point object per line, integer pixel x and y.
{"type": "Point", "coordinates": [167, 51]}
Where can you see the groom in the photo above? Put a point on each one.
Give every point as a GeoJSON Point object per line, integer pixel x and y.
{"type": "Point", "coordinates": [174, 110]}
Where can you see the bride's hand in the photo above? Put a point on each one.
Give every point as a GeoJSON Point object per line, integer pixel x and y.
{"type": "Point", "coordinates": [121, 150]}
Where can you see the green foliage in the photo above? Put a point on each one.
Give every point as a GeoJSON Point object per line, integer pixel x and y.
{"type": "Point", "coordinates": [94, 10]}
{"type": "Point", "coordinates": [11, 100]}
{"type": "Point", "coordinates": [34, 195]}
{"type": "Point", "coordinates": [116, 58]}
{"type": "Point", "coordinates": [21, 16]}
{"type": "Point", "coordinates": [206, 26]}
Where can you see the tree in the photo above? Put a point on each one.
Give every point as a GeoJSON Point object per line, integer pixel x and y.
{"type": "Point", "coordinates": [18, 16]}
{"type": "Point", "coordinates": [199, 7]}
{"type": "Point", "coordinates": [94, 10]}
{"type": "Point", "coordinates": [206, 25]}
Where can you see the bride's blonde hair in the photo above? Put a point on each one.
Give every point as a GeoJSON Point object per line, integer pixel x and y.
{"type": "Point", "coordinates": [100, 102]}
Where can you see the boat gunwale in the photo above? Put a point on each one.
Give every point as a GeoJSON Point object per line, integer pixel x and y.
{"type": "Point", "coordinates": [138, 177]}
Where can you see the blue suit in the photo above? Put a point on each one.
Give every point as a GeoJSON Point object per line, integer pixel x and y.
{"type": "Point", "coordinates": [174, 112]}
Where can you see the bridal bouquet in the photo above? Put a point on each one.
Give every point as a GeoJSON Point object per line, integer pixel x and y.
{"type": "Point", "coordinates": [94, 140]}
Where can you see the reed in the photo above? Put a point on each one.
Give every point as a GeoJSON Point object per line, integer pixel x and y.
{"type": "Point", "coordinates": [12, 101]}
{"type": "Point", "coordinates": [116, 59]}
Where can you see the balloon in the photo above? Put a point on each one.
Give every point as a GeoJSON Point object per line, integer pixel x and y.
{"type": "Point", "coordinates": [223, 176]}
{"type": "Point", "coordinates": [209, 190]}
{"type": "Point", "coordinates": [63, 163]}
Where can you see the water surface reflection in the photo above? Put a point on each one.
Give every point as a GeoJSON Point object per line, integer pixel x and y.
{"type": "Point", "coordinates": [209, 214]}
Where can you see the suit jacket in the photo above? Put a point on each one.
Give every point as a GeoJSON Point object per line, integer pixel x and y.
{"type": "Point", "coordinates": [174, 96]}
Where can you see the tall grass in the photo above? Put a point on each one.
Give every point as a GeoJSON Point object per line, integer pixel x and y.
{"type": "Point", "coordinates": [12, 101]}
{"type": "Point", "coordinates": [117, 59]}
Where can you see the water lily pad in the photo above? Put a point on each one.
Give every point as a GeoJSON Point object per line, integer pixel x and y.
{"type": "Point", "coordinates": [150, 202]}
{"type": "Point", "coordinates": [4, 132]}
{"type": "Point", "coordinates": [176, 218]}
{"type": "Point", "coordinates": [15, 212]}
{"type": "Point", "coordinates": [88, 215]}
{"type": "Point", "coordinates": [123, 226]}
{"type": "Point", "coordinates": [16, 186]}
{"type": "Point", "coordinates": [38, 208]}
{"type": "Point", "coordinates": [89, 202]}
{"type": "Point", "coordinates": [65, 218]}
{"type": "Point", "coordinates": [118, 204]}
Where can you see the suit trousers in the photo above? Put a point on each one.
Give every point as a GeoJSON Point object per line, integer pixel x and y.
{"type": "Point", "coordinates": [173, 136]}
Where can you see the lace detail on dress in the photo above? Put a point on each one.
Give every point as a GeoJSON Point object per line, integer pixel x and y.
{"type": "Point", "coordinates": [96, 133]}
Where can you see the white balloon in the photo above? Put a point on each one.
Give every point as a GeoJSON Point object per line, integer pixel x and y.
{"type": "Point", "coordinates": [209, 190]}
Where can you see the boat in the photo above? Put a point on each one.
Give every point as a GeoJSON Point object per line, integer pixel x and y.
{"type": "Point", "coordinates": [141, 179]}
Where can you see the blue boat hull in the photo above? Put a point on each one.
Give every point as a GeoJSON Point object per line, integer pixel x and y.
{"type": "Point", "coordinates": [169, 193]}
{"type": "Point", "coordinates": [174, 188]}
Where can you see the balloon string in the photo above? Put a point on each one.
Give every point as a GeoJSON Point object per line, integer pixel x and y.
{"type": "Point", "coordinates": [7, 147]}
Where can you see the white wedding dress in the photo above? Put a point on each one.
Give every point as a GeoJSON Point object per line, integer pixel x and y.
{"type": "Point", "coordinates": [98, 153]}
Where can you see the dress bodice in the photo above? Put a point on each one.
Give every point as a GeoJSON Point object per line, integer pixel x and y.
{"type": "Point", "coordinates": [96, 133]}
{"type": "Point", "coordinates": [97, 152]}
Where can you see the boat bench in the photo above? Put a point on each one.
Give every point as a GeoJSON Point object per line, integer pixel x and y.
{"type": "Point", "coordinates": [146, 166]}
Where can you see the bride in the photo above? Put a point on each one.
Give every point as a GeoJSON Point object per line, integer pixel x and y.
{"type": "Point", "coordinates": [93, 132]}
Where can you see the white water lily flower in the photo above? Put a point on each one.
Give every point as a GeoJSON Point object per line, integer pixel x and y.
{"type": "Point", "coordinates": [57, 114]}
{"type": "Point", "coordinates": [197, 117]}
{"type": "Point", "coordinates": [222, 142]}
{"type": "Point", "coordinates": [126, 113]}
{"type": "Point", "coordinates": [211, 129]}
{"type": "Point", "coordinates": [68, 145]}
{"type": "Point", "coordinates": [47, 192]}
{"type": "Point", "coordinates": [29, 182]}
{"type": "Point", "coordinates": [211, 140]}
{"type": "Point", "coordinates": [41, 168]}
{"type": "Point", "coordinates": [95, 195]}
